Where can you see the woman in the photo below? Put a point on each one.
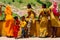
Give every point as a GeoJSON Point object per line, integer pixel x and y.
{"type": "Point", "coordinates": [31, 21]}
{"type": "Point", "coordinates": [9, 21]}
{"type": "Point", "coordinates": [43, 17]}
{"type": "Point", "coordinates": [54, 19]}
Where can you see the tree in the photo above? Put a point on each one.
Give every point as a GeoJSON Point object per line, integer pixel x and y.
{"type": "Point", "coordinates": [48, 3]}
{"type": "Point", "coordinates": [20, 1]}
{"type": "Point", "coordinates": [13, 0]}
{"type": "Point", "coordinates": [39, 1]}
{"type": "Point", "coordinates": [59, 7]}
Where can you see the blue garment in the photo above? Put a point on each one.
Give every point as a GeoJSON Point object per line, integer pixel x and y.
{"type": "Point", "coordinates": [23, 32]}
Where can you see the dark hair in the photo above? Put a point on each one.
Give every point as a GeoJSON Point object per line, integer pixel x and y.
{"type": "Point", "coordinates": [29, 6]}
{"type": "Point", "coordinates": [15, 17]}
{"type": "Point", "coordinates": [44, 5]}
{"type": "Point", "coordinates": [23, 17]}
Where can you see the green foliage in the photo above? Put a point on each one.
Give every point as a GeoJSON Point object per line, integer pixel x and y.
{"type": "Point", "coordinates": [33, 4]}
{"type": "Point", "coordinates": [39, 1]}
{"type": "Point", "coordinates": [20, 1]}
{"type": "Point", "coordinates": [14, 14]}
{"type": "Point", "coordinates": [59, 7]}
{"type": "Point", "coordinates": [2, 17]}
{"type": "Point", "coordinates": [4, 2]}
{"type": "Point", "coordinates": [13, 0]}
{"type": "Point", "coordinates": [48, 4]}
{"type": "Point", "coordinates": [9, 2]}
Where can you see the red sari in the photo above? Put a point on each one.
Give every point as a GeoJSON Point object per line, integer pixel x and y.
{"type": "Point", "coordinates": [16, 28]}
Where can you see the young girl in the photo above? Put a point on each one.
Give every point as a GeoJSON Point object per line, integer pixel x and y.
{"type": "Point", "coordinates": [16, 27]}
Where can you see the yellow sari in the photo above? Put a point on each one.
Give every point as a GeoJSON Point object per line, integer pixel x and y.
{"type": "Point", "coordinates": [8, 24]}
{"type": "Point", "coordinates": [32, 26]}
{"type": "Point", "coordinates": [43, 23]}
{"type": "Point", "coordinates": [54, 20]}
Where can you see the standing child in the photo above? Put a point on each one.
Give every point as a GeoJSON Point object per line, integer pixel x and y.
{"type": "Point", "coordinates": [23, 25]}
{"type": "Point", "coordinates": [16, 27]}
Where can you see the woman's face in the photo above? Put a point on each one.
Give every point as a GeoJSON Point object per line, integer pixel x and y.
{"type": "Point", "coordinates": [42, 6]}
{"type": "Point", "coordinates": [55, 6]}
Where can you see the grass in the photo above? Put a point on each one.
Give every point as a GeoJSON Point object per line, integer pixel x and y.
{"type": "Point", "coordinates": [20, 3]}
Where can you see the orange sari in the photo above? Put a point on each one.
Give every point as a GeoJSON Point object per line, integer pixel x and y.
{"type": "Point", "coordinates": [9, 21]}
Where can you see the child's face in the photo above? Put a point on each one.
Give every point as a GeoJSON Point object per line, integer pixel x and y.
{"type": "Point", "coordinates": [23, 18]}
{"type": "Point", "coordinates": [16, 19]}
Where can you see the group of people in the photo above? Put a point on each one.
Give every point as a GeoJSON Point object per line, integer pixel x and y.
{"type": "Point", "coordinates": [29, 26]}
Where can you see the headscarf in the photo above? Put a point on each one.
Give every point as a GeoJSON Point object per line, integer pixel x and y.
{"type": "Point", "coordinates": [8, 10]}
{"type": "Point", "coordinates": [55, 8]}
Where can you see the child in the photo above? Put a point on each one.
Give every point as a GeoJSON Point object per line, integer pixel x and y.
{"type": "Point", "coordinates": [23, 25]}
{"type": "Point", "coordinates": [16, 27]}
